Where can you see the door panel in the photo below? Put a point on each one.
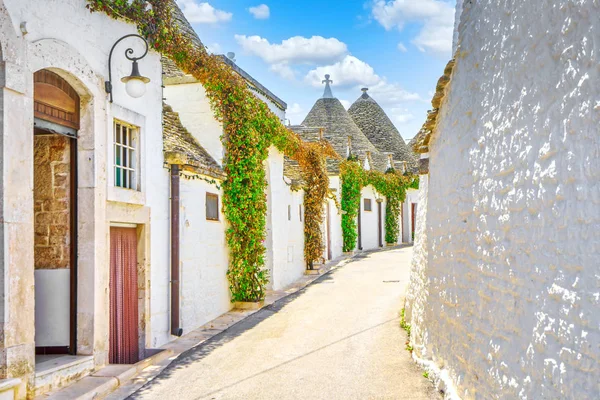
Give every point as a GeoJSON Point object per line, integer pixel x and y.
{"type": "Point", "coordinates": [124, 348]}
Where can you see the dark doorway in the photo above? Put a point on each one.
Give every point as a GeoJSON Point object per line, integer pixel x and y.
{"type": "Point", "coordinates": [329, 250]}
{"type": "Point", "coordinates": [56, 121]}
{"type": "Point", "coordinates": [413, 220]}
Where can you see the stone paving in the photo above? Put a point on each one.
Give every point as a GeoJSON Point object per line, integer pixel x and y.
{"type": "Point", "coordinates": [338, 338]}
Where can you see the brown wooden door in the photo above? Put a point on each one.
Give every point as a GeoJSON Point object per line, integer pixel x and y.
{"type": "Point", "coordinates": [329, 250]}
{"type": "Point", "coordinates": [124, 347]}
{"type": "Point", "coordinates": [380, 224]}
{"type": "Point", "coordinates": [414, 220]}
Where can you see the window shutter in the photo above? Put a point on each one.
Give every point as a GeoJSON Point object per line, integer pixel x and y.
{"type": "Point", "coordinates": [212, 207]}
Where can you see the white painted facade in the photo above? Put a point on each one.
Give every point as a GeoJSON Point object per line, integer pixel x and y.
{"type": "Point", "coordinates": [204, 257]}
{"type": "Point", "coordinates": [64, 37]}
{"type": "Point", "coordinates": [406, 222]}
{"type": "Point", "coordinates": [285, 225]}
{"type": "Point", "coordinates": [188, 99]}
{"type": "Point", "coordinates": [335, 220]}
{"type": "Point", "coordinates": [504, 293]}
{"type": "Point", "coordinates": [372, 224]}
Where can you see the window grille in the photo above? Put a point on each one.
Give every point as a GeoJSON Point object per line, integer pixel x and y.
{"type": "Point", "coordinates": [125, 157]}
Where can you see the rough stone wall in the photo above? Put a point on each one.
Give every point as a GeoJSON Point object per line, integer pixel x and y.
{"type": "Point", "coordinates": [506, 275]}
{"type": "Point", "coordinates": [51, 193]}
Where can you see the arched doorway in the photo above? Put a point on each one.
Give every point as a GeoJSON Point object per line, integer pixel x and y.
{"type": "Point", "coordinates": [56, 122]}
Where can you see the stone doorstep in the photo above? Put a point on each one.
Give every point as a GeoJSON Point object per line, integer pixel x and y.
{"type": "Point", "coordinates": [9, 388]}
{"type": "Point", "coordinates": [104, 381]}
{"type": "Point", "coordinates": [60, 371]}
{"type": "Point", "coordinates": [124, 380]}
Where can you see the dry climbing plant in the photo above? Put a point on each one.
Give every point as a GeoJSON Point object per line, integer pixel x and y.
{"type": "Point", "coordinates": [249, 129]}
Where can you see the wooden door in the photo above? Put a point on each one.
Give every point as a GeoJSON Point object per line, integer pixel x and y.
{"type": "Point", "coordinates": [329, 250]}
{"type": "Point", "coordinates": [414, 220]}
{"type": "Point", "coordinates": [380, 224]}
{"type": "Point", "coordinates": [124, 347]}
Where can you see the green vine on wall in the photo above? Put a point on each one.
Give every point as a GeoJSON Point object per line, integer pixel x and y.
{"type": "Point", "coordinates": [249, 129]}
{"type": "Point", "coordinates": [391, 184]}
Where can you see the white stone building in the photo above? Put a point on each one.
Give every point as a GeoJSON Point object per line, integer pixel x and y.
{"type": "Point", "coordinates": [90, 214]}
{"type": "Point", "coordinates": [366, 132]}
{"type": "Point", "coordinates": [285, 228]}
{"type": "Point", "coordinates": [505, 287]}
{"type": "Point", "coordinates": [65, 199]}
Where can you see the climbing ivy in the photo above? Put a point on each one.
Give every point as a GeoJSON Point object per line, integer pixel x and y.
{"type": "Point", "coordinates": [391, 184]}
{"type": "Point", "coordinates": [250, 128]}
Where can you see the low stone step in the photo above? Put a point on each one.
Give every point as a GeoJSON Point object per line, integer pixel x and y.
{"type": "Point", "coordinates": [53, 372]}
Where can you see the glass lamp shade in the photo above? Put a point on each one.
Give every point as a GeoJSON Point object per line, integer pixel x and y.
{"type": "Point", "coordinates": [135, 84]}
{"type": "Point", "coordinates": [135, 87]}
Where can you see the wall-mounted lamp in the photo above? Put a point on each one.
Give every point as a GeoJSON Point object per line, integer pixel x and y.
{"type": "Point", "coordinates": [135, 83]}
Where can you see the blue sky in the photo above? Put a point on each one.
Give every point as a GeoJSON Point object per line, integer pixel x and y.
{"type": "Point", "coordinates": [397, 48]}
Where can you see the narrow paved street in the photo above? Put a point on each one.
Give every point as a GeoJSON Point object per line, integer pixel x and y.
{"type": "Point", "coordinates": [338, 339]}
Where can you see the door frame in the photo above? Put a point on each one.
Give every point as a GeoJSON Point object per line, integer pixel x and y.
{"type": "Point", "coordinates": [71, 348]}
{"type": "Point", "coordinates": [74, 244]}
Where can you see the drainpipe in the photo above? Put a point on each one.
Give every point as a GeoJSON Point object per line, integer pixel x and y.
{"type": "Point", "coordinates": [175, 329]}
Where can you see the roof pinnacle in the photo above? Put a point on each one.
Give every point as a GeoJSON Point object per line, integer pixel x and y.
{"type": "Point", "coordinates": [365, 95]}
{"type": "Point", "coordinates": [328, 94]}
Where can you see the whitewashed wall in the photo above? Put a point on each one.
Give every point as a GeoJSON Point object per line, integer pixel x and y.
{"type": "Point", "coordinates": [507, 283]}
{"type": "Point", "coordinates": [285, 237]}
{"type": "Point", "coordinates": [412, 197]}
{"type": "Point", "coordinates": [276, 110]}
{"type": "Point", "coordinates": [204, 257]}
{"type": "Point", "coordinates": [190, 101]}
{"type": "Point", "coordinates": [335, 215]}
{"type": "Point", "coordinates": [369, 219]}
{"type": "Point", "coordinates": [63, 36]}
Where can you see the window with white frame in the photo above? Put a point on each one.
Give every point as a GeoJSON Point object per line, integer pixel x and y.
{"type": "Point", "coordinates": [126, 166]}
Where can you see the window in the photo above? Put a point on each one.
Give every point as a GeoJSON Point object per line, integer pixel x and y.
{"type": "Point", "coordinates": [212, 207]}
{"type": "Point", "coordinates": [368, 206]}
{"type": "Point", "coordinates": [126, 161]}
{"type": "Point", "coordinates": [300, 211]}
{"type": "Point", "coordinates": [289, 213]}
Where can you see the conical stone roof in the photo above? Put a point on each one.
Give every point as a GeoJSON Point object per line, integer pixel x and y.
{"type": "Point", "coordinates": [379, 129]}
{"type": "Point", "coordinates": [329, 113]}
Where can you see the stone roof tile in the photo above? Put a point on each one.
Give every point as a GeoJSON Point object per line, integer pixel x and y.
{"type": "Point", "coordinates": [379, 129]}
{"type": "Point", "coordinates": [180, 147]}
{"type": "Point", "coordinates": [330, 114]}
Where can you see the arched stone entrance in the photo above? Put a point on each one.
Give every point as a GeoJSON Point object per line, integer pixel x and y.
{"type": "Point", "coordinates": [56, 121]}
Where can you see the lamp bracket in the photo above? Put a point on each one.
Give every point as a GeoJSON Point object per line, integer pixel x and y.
{"type": "Point", "coordinates": [128, 54]}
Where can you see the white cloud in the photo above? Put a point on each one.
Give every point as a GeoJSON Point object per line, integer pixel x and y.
{"type": "Point", "coordinates": [349, 72]}
{"type": "Point", "coordinates": [295, 113]}
{"type": "Point", "coordinates": [353, 73]}
{"type": "Point", "coordinates": [389, 94]}
{"type": "Point", "coordinates": [295, 50]}
{"type": "Point", "coordinates": [202, 12]}
{"type": "Point", "coordinates": [214, 48]}
{"type": "Point", "coordinates": [401, 116]}
{"type": "Point", "coordinates": [436, 16]}
{"type": "Point", "coordinates": [260, 12]}
{"type": "Point", "coordinates": [346, 104]}
{"type": "Point", "coordinates": [402, 47]}
{"type": "Point", "coordinates": [283, 70]}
